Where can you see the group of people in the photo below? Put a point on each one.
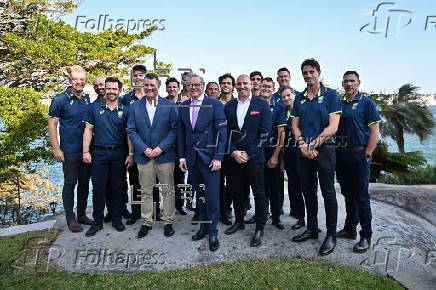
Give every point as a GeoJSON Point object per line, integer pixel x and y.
{"type": "Point", "coordinates": [230, 146]}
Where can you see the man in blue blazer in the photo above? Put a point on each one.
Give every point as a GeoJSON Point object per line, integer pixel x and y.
{"type": "Point", "coordinates": [152, 128]}
{"type": "Point", "coordinates": [201, 142]}
{"type": "Point", "coordinates": [249, 122]}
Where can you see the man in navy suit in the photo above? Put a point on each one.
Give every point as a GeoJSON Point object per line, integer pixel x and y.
{"type": "Point", "coordinates": [152, 128]}
{"type": "Point", "coordinates": [201, 144]}
{"type": "Point", "coordinates": [249, 122]}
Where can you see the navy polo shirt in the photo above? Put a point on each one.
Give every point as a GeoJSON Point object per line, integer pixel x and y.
{"type": "Point", "coordinates": [357, 116]}
{"type": "Point", "coordinates": [129, 98]}
{"type": "Point", "coordinates": [276, 97]}
{"type": "Point", "coordinates": [314, 114]}
{"type": "Point", "coordinates": [110, 127]}
{"type": "Point", "coordinates": [289, 136]}
{"type": "Point", "coordinates": [278, 120]}
{"type": "Point", "coordinates": [70, 111]}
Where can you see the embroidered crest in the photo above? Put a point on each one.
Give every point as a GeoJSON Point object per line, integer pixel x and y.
{"type": "Point", "coordinates": [132, 101]}
{"type": "Point", "coordinates": [354, 106]}
{"type": "Point", "coordinates": [101, 112]}
{"type": "Point", "coordinates": [120, 114]}
{"type": "Point", "coordinates": [303, 101]}
{"type": "Point", "coordinates": [71, 102]}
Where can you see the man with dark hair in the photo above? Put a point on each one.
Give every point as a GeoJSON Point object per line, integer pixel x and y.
{"type": "Point", "coordinates": [227, 84]}
{"type": "Point", "coordinates": [315, 119]}
{"type": "Point", "coordinates": [137, 77]}
{"type": "Point", "coordinates": [249, 121]}
{"type": "Point", "coordinates": [106, 124]}
{"type": "Point", "coordinates": [67, 110]}
{"type": "Point", "coordinates": [173, 88]}
{"type": "Point", "coordinates": [273, 156]}
{"type": "Point", "coordinates": [201, 145]}
{"type": "Point", "coordinates": [152, 128]}
{"type": "Point", "coordinates": [255, 78]}
{"type": "Point", "coordinates": [284, 79]}
{"type": "Point", "coordinates": [357, 135]}
{"type": "Point", "coordinates": [213, 90]}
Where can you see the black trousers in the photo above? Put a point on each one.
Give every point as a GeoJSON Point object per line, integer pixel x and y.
{"type": "Point", "coordinates": [274, 195]}
{"type": "Point", "coordinates": [75, 172]}
{"type": "Point", "coordinates": [253, 174]}
{"type": "Point", "coordinates": [352, 170]}
{"type": "Point", "coordinates": [108, 169]}
{"type": "Point", "coordinates": [322, 167]}
{"type": "Point", "coordinates": [295, 191]}
{"type": "Point", "coordinates": [225, 191]}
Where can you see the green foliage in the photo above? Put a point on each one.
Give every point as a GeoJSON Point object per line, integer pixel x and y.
{"type": "Point", "coordinates": [24, 136]}
{"type": "Point", "coordinates": [398, 164]}
{"type": "Point", "coordinates": [421, 175]}
{"type": "Point", "coordinates": [35, 53]}
{"type": "Point", "coordinates": [405, 112]}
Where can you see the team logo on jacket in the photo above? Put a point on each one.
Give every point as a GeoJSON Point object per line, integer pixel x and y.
{"type": "Point", "coordinates": [101, 112]}
{"type": "Point", "coordinates": [354, 106]}
{"type": "Point", "coordinates": [120, 114]}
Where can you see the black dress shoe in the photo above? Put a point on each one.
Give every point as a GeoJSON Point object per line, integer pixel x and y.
{"type": "Point", "coordinates": [214, 244]}
{"type": "Point", "coordinates": [180, 210]}
{"type": "Point", "coordinates": [168, 230]}
{"type": "Point", "coordinates": [278, 223]}
{"type": "Point", "coordinates": [119, 226]}
{"type": "Point", "coordinates": [130, 222]}
{"type": "Point", "coordinates": [299, 224]}
{"type": "Point", "coordinates": [107, 218]}
{"type": "Point", "coordinates": [328, 245]}
{"type": "Point", "coordinates": [93, 230]}
{"type": "Point", "coordinates": [237, 226]}
{"type": "Point", "coordinates": [346, 234]}
{"type": "Point", "coordinates": [256, 240]}
{"type": "Point", "coordinates": [226, 220]}
{"type": "Point", "coordinates": [251, 220]}
{"type": "Point", "coordinates": [306, 235]}
{"type": "Point", "coordinates": [362, 246]}
{"type": "Point", "coordinates": [200, 234]}
{"type": "Point", "coordinates": [143, 231]}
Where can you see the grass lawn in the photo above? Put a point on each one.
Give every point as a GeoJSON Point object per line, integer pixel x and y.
{"type": "Point", "coordinates": [254, 274]}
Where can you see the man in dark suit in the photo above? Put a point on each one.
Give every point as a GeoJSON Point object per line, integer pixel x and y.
{"type": "Point", "coordinates": [152, 128]}
{"type": "Point", "coordinates": [249, 121]}
{"type": "Point", "coordinates": [201, 144]}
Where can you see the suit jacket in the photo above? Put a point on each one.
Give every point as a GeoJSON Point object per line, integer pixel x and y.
{"type": "Point", "coordinates": [252, 137]}
{"type": "Point", "coordinates": [145, 135]}
{"type": "Point", "coordinates": [207, 140]}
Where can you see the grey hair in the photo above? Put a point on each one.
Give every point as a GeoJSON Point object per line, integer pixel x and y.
{"type": "Point", "coordinates": [196, 76]}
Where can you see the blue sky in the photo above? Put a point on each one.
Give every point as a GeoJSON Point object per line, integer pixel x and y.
{"type": "Point", "coordinates": [242, 36]}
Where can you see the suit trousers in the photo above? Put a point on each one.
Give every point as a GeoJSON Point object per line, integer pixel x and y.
{"type": "Point", "coordinates": [352, 170]}
{"type": "Point", "coordinates": [322, 167]}
{"type": "Point", "coordinates": [147, 180]}
{"type": "Point", "coordinates": [205, 184]}
{"type": "Point", "coordinates": [253, 174]}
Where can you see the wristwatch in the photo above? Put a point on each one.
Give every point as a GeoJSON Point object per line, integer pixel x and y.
{"type": "Point", "coordinates": [131, 153]}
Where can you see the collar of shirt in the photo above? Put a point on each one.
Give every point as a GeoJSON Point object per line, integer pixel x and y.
{"type": "Point", "coordinates": [153, 103]}
{"type": "Point", "coordinates": [199, 100]}
{"type": "Point", "coordinates": [119, 106]}
{"type": "Point", "coordinates": [357, 97]}
{"type": "Point", "coordinates": [246, 101]}
{"type": "Point", "coordinates": [70, 94]}
{"type": "Point", "coordinates": [319, 94]}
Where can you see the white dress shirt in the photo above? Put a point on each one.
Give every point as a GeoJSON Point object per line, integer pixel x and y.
{"type": "Point", "coordinates": [241, 111]}
{"type": "Point", "coordinates": [151, 109]}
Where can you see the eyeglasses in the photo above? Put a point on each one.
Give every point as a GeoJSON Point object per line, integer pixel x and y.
{"type": "Point", "coordinates": [194, 85]}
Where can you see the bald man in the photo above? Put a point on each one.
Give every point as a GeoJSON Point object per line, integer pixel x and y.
{"type": "Point", "coordinates": [99, 88]}
{"type": "Point", "coordinates": [249, 120]}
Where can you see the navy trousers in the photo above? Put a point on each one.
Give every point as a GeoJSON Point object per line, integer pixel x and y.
{"type": "Point", "coordinates": [352, 171]}
{"type": "Point", "coordinates": [207, 196]}
{"type": "Point", "coordinates": [295, 192]}
{"type": "Point", "coordinates": [322, 167]}
{"type": "Point", "coordinates": [108, 170]}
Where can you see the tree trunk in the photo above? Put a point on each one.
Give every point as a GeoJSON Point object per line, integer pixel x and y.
{"type": "Point", "coordinates": [400, 139]}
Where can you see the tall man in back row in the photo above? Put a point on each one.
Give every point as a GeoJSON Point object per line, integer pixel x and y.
{"type": "Point", "coordinates": [315, 119]}
{"type": "Point", "coordinates": [357, 135]}
{"type": "Point", "coordinates": [67, 110]}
